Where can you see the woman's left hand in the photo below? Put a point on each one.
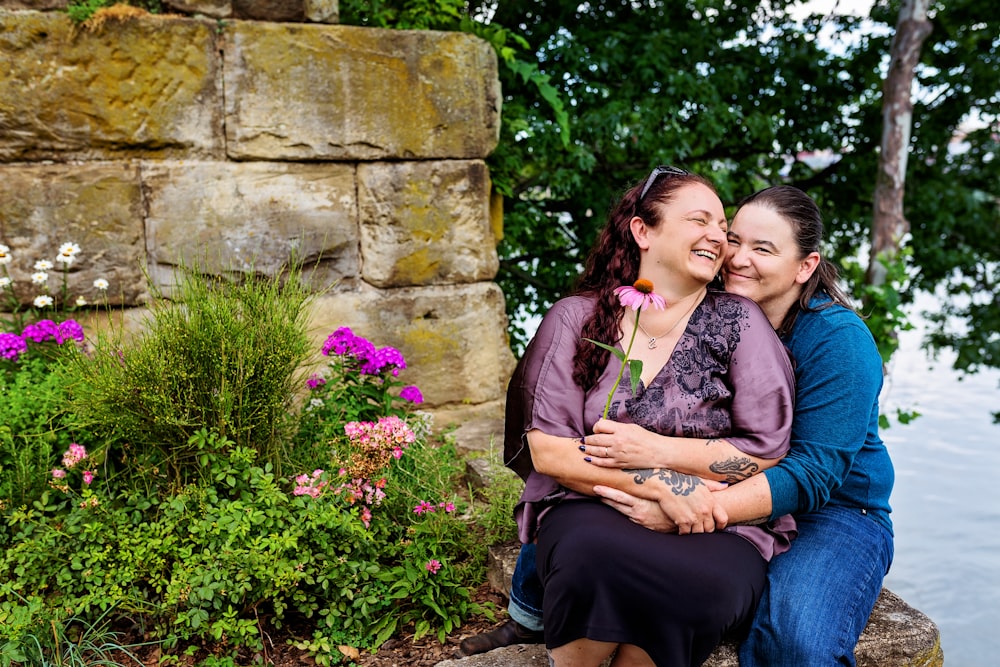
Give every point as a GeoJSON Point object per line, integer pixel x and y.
{"type": "Point", "coordinates": [646, 513]}
{"type": "Point", "coordinates": [617, 445]}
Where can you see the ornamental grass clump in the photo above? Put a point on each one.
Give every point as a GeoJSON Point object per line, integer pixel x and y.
{"type": "Point", "coordinates": [219, 354]}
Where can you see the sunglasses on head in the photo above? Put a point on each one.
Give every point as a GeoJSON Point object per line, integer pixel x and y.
{"type": "Point", "coordinates": [656, 173]}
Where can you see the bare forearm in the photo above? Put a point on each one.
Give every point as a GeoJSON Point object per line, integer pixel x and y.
{"type": "Point", "coordinates": [619, 445]}
{"type": "Point", "coordinates": [560, 459]}
{"type": "Point", "coordinates": [748, 502]}
{"type": "Point", "coordinates": [713, 458]}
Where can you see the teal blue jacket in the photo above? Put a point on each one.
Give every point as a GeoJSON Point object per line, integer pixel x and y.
{"type": "Point", "coordinates": [837, 456]}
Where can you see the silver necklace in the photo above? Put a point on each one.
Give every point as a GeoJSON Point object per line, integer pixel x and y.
{"type": "Point", "coordinates": [651, 344]}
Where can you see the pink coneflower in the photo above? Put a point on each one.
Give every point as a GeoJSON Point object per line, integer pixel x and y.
{"type": "Point", "coordinates": [640, 296]}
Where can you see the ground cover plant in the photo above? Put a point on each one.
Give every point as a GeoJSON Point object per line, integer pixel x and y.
{"type": "Point", "coordinates": [204, 484]}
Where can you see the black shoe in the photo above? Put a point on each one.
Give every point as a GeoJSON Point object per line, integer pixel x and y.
{"type": "Point", "coordinates": [508, 634]}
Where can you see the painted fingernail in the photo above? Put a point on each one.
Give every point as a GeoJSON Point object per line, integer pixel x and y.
{"type": "Point", "coordinates": [587, 459]}
{"type": "Point", "coordinates": [582, 448]}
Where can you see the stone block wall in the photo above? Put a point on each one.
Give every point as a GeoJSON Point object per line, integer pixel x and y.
{"type": "Point", "coordinates": [240, 144]}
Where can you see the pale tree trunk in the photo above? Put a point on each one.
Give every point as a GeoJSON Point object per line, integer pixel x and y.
{"type": "Point", "coordinates": [889, 226]}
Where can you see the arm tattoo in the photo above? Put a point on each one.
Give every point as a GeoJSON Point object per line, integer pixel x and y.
{"type": "Point", "coordinates": [735, 469]}
{"type": "Point", "coordinates": [678, 483]}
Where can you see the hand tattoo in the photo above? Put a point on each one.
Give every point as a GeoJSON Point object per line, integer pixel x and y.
{"type": "Point", "coordinates": [735, 469]}
{"type": "Point", "coordinates": [678, 483]}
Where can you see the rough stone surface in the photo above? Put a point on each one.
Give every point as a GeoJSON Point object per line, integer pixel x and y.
{"type": "Point", "coordinates": [98, 206]}
{"type": "Point", "coordinates": [453, 337]}
{"type": "Point", "coordinates": [144, 88]}
{"type": "Point", "coordinates": [253, 217]}
{"type": "Point", "coordinates": [39, 5]}
{"type": "Point", "coordinates": [426, 223]}
{"type": "Point", "coordinates": [339, 92]}
{"type": "Point", "coordinates": [214, 8]}
{"type": "Point", "coordinates": [897, 635]}
{"type": "Point", "coordinates": [269, 10]}
{"type": "Point", "coordinates": [479, 435]}
{"type": "Point", "coordinates": [322, 11]}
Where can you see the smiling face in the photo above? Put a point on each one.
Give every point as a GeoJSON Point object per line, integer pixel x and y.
{"type": "Point", "coordinates": [688, 244]}
{"type": "Point", "coordinates": [764, 261]}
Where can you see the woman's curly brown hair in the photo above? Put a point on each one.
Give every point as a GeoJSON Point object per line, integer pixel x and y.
{"type": "Point", "coordinates": [613, 262]}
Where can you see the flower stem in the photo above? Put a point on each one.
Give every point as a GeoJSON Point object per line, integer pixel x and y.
{"type": "Point", "coordinates": [621, 371]}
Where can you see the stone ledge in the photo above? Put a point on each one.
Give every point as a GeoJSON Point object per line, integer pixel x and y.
{"type": "Point", "coordinates": [896, 635]}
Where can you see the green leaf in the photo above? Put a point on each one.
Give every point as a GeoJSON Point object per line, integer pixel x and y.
{"type": "Point", "coordinates": [635, 373]}
{"type": "Point", "coordinates": [613, 350]}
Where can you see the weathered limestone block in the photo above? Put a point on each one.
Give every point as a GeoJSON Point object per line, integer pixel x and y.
{"type": "Point", "coordinates": [453, 337]}
{"type": "Point", "coordinates": [98, 206]}
{"type": "Point", "coordinates": [425, 223]}
{"type": "Point", "coordinates": [317, 11]}
{"type": "Point", "coordinates": [252, 217]}
{"type": "Point", "coordinates": [346, 93]}
{"type": "Point", "coordinates": [322, 11]}
{"type": "Point", "coordinates": [215, 8]}
{"type": "Point", "coordinates": [148, 87]}
{"type": "Point", "coordinates": [39, 5]}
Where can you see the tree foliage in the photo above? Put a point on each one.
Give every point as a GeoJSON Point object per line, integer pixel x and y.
{"type": "Point", "coordinates": [741, 92]}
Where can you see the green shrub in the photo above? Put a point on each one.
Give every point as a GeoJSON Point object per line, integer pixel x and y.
{"type": "Point", "coordinates": [237, 515]}
{"type": "Point", "coordinates": [224, 358]}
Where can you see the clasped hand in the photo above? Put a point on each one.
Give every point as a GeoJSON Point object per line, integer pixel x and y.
{"type": "Point", "coordinates": [631, 447]}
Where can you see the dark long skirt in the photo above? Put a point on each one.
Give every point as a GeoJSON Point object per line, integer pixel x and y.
{"type": "Point", "coordinates": [674, 596]}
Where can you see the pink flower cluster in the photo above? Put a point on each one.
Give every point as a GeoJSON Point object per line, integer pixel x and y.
{"type": "Point", "coordinates": [433, 566]}
{"type": "Point", "coordinates": [344, 343]}
{"type": "Point", "coordinates": [71, 457]}
{"type": "Point", "coordinates": [365, 494]}
{"type": "Point", "coordinates": [388, 433]}
{"type": "Point", "coordinates": [425, 507]}
{"type": "Point", "coordinates": [309, 485]}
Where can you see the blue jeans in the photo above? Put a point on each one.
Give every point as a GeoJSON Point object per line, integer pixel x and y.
{"type": "Point", "coordinates": [821, 592]}
{"type": "Point", "coordinates": [525, 605]}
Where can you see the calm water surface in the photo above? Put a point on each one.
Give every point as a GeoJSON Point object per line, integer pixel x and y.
{"type": "Point", "coordinates": [946, 502]}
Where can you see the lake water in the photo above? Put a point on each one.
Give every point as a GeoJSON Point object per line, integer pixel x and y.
{"type": "Point", "coordinates": [946, 504]}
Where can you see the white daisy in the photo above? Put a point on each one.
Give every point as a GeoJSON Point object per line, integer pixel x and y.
{"type": "Point", "coordinates": [101, 284]}
{"type": "Point", "coordinates": [39, 278]}
{"type": "Point", "coordinates": [5, 257]}
{"type": "Point", "coordinates": [43, 301]}
{"type": "Point", "coordinates": [80, 301]}
{"type": "Point", "coordinates": [43, 265]}
{"type": "Point", "coordinates": [5, 282]}
{"type": "Point", "coordinates": [69, 249]}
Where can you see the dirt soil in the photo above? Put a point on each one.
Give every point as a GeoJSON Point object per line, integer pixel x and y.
{"type": "Point", "coordinates": [400, 651]}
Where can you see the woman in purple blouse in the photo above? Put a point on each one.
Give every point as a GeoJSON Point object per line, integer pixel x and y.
{"type": "Point", "coordinates": [716, 389]}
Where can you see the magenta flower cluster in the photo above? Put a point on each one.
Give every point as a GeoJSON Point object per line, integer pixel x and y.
{"type": "Point", "coordinates": [12, 345]}
{"type": "Point", "coordinates": [370, 361]}
{"type": "Point", "coordinates": [433, 566]}
{"type": "Point", "coordinates": [424, 507]}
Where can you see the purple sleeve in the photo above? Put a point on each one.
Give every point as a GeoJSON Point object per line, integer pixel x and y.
{"type": "Point", "coordinates": [763, 389]}
{"type": "Point", "coordinates": [553, 403]}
